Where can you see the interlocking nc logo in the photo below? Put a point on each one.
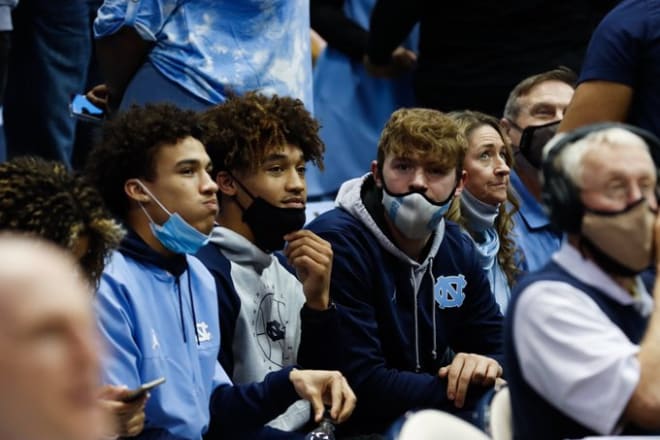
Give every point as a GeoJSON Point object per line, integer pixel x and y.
{"type": "Point", "coordinates": [275, 330]}
{"type": "Point", "coordinates": [448, 291]}
{"type": "Point", "coordinates": [155, 345]}
{"type": "Point", "coordinates": [203, 332]}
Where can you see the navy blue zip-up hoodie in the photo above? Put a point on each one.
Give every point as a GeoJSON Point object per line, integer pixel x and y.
{"type": "Point", "coordinates": [401, 319]}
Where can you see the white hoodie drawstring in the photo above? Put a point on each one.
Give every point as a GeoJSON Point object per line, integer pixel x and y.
{"type": "Point", "coordinates": [418, 366]}
{"type": "Point", "coordinates": [434, 352]}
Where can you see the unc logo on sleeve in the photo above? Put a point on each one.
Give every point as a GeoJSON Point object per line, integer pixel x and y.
{"type": "Point", "coordinates": [448, 291]}
{"type": "Point", "coordinates": [155, 345]}
{"type": "Point", "coordinates": [203, 332]}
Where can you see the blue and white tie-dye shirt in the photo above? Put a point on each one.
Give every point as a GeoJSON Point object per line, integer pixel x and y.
{"type": "Point", "coordinates": [211, 47]}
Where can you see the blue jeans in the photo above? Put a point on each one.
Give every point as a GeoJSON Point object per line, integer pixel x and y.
{"type": "Point", "coordinates": [49, 57]}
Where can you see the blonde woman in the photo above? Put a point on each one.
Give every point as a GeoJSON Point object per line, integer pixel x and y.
{"type": "Point", "coordinates": [482, 209]}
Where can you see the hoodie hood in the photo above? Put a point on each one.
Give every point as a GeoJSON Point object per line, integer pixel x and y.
{"type": "Point", "coordinates": [350, 198]}
{"type": "Point", "coordinates": [424, 293]}
{"type": "Point", "coordinates": [133, 246]}
{"type": "Point", "coordinates": [240, 250]}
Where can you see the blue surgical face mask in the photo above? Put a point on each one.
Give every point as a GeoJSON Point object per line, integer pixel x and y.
{"type": "Point", "coordinates": [175, 234]}
{"type": "Point", "coordinates": [413, 213]}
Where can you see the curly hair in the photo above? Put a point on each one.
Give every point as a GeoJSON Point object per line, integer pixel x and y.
{"type": "Point", "coordinates": [243, 130]}
{"type": "Point", "coordinates": [508, 255]}
{"type": "Point", "coordinates": [46, 199]}
{"type": "Point", "coordinates": [426, 131]}
{"type": "Point", "coordinates": [129, 144]}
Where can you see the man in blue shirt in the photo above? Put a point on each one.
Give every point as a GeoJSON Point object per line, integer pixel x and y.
{"type": "Point", "coordinates": [536, 101]}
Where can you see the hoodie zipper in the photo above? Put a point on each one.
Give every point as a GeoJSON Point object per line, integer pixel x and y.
{"type": "Point", "coordinates": [418, 366]}
{"type": "Point", "coordinates": [434, 352]}
{"type": "Point", "coordinates": [416, 284]}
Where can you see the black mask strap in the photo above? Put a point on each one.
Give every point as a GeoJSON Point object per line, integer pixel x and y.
{"type": "Point", "coordinates": [423, 193]}
{"type": "Point", "coordinates": [247, 191]}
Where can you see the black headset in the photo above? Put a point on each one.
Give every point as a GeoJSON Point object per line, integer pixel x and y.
{"type": "Point", "coordinates": [560, 196]}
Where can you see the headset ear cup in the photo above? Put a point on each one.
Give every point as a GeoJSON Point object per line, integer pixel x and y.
{"type": "Point", "coordinates": [560, 196]}
{"type": "Point", "coordinates": [572, 210]}
{"type": "Point", "coordinates": [561, 199]}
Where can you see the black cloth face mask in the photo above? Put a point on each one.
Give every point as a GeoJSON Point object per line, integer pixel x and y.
{"type": "Point", "coordinates": [533, 139]}
{"type": "Point", "coordinates": [269, 223]}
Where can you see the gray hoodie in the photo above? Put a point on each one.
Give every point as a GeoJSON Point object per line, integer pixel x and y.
{"type": "Point", "coordinates": [270, 302]}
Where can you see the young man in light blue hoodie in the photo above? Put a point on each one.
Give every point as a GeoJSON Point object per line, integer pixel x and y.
{"type": "Point", "coordinates": [157, 305]}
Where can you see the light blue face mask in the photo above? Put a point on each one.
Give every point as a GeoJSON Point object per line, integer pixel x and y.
{"type": "Point", "coordinates": [414, 214]}
{"type": "Point", "coordinates": [175, 234]}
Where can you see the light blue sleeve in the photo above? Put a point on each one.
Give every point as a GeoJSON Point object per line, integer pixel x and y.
{"type": "Point", "coordinates": [121, 353]}
{"type": "Point", "coordinates": [147, 17]}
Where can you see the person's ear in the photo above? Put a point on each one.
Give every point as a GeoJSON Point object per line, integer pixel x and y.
{"type": "Point", "coordinates": [376, 173]}
{"type": "Point", "coordinates": [226, 183]}
{"type": "Point", "coordinates": [506, 127]}
{"type": "Point", "coordinates": [135, 191]}
{"type": "Point", "coordinates": [460, 184]}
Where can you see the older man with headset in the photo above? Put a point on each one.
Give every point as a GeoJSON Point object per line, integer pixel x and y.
{"type": "Point", "coordinates": [583, 335]}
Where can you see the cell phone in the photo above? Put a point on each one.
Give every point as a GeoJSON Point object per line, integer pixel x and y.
{"type": "Point", "coordinates": [140, 391]}
{"type": "Point", "coordinates": [82, 108]}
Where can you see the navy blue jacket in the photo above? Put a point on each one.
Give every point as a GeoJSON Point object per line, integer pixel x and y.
{"type": "Point", "coordinates": [393, 345]}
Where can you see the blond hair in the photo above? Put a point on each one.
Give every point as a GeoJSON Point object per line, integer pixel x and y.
{"type": "Point", "coordinates": [468, 121]}
{"type": "Point", "coordinates": [423, 131]}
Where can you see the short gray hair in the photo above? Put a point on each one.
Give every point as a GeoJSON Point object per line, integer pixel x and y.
{"type": "Point", "coordinates": [571, 159]}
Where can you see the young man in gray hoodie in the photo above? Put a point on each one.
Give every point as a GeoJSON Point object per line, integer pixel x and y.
{"type": "Point", "coordinates": [259, 147]}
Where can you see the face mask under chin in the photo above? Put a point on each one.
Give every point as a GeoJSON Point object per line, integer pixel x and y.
{"type": "Point", "coordinates": [175, 234]}
{"type": "Point", "coordinates": [270, 223]}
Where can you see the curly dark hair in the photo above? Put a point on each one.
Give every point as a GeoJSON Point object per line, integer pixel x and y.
{"type": "Point", "coordinates": [46, 199]}
{"type": "Point", "coordinates": [128, 145]}
{"type": "Point", "coordinates": [242, 130]}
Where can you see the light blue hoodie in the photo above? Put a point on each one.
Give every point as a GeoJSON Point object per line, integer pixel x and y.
{"type": "Point", "coordinates": [159, 317]}
{"type": "Point", "coordinates": [162, 323]}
